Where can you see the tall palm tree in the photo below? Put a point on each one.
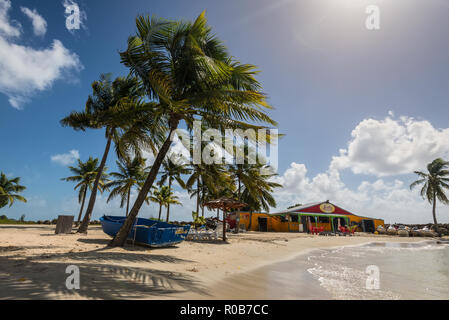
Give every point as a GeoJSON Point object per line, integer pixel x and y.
{"type": "Point", "coordinates": [253, 188]}
{"type": "Point", "coordinates": [131, 174]}
{"type": "Point", "coordinates": [116, 107]}
{"type": "Point", "coordinates": [9, 189]}
{"type": "Point", "coordinates": [435, 181]}
{"type": "Point", "coordinates": [189, 72]}
{"type": "Point", "coordinates": [173, 171]}
{"type": "Point", "coordinates": [164, 197]}
{"type": "Point", "coordinates": [242, 174]}
{"type": "Point", "coordinates": [85, 174]}
{"type": "Point", "coordinates": [204, 177]}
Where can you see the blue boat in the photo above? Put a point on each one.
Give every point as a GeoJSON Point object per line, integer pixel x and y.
{"type": "Point", "coordinates": [147, 232]}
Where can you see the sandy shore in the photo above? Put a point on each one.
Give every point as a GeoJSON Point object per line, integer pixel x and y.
{"type": "Point", "coordinates": [33, 261]}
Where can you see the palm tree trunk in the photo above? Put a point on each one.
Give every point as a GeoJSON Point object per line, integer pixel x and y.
{"type": "Point", "coordinates": [250, 220]}
{"type": "Point", "coordinates": [160, 211]}
{"type": "Point", "coordinates": [434, 204]}
{"type": "Point", "coordinates": [237, 215]}
{"type": "Point", "coordinates": [93, 195]}
{"type": "Point", "coordinates": [168, 204]}
{"type": "Point", "coordinates": [202, 197]}
{"type": "Point", "coordinates": [82, 207]}
{"type": "Point", "coordinates": [121, 236]}
{"type": "Point", "coordinates": [127, 202]}
{"type": "Point", "coordinates": [239, 187]}
{"type": "Point", "coordinates": [198, 195]}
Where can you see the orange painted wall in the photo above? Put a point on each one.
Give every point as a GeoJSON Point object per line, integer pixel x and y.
{"type": "Point", "coordinates": [274, 224]}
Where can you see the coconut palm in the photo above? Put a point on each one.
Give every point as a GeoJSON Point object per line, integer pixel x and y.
{"type": "Point", "coordinates": [116, 107]}
{"type": "Point", "coordinates": [85, 174]}
{"type": "Point", "coordinates": [253, 187]}
{"type": "Point", "coordinates": [258, 193]}
{"type": "Point", "coordinates": [131, 174]}
{"type": "Point", "coordinates": [435, 182]}
{"type": "Point", "coordinates": [164, 197]}
{"type": "Point", "coordinates": [9, 189]}
{"type": "Point", "coordinates": [173, 171]}
{"type": "Point", "coordinates": [189, 72]}
{"type": "Point", "coordinates": [204, 177]}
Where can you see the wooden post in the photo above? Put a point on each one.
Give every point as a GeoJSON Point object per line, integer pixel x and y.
{"type": "Point", "coordinates": [64, 224]}
{"type": "Point", "coordinates": [237, 222]}
{"type": "Point", "coordinates": [224, 225]}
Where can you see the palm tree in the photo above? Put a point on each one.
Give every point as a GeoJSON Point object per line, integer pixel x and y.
{"type": "Point", "coordinates": [189, 72]}
{"type": "Point", "coordinates": [158, 198]}
{"type": "Point", "coordinates": [173, 171]}
{"type": "Point", "coordinates": [254, 188]}
{"type": "Point", "coordinates": [131, 174]}
{"type": "Point", "coordinates": [164, 197]}
{"type": "Point", "coordinates": [259, 192]}
{"type": "Point", "coordinates": [85, 174]}
{"type": "Point", "coordinates": [9, 189]}
{"type": "Point", "coordinates": [116, 107]}
{"type": "Point", "coordinates": [205, 178]}
{"type": "Point", "coordinates": [436, 181]}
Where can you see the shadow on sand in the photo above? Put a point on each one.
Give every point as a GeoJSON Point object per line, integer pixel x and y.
{"type": "Point", "coordinates": [44, 276]}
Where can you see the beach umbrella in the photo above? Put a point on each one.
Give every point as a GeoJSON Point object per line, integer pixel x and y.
{"type": "Point", "coordinates": [225, 204]}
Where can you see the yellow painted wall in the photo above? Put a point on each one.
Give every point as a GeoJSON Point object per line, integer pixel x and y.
{"type": "Point", "coordinates": [274, 223]}
{"type": "Point", "coordinates": [377, 222]}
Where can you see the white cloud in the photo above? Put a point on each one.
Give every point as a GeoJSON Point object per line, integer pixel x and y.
{"type": "Point", "coordinates": [8, 28]}
{"type": "Point", "coordinates": [392, 201]}
{"type": "Point", "coordinates": [382, 148]}
{"type": "Point", "coordinates": [392, 146]}
{"type": "Point", "coordinates": [66, 159]}
{"type": "Point", "coordinates": [39, 23]}
{"type": "Point", "coordinates": [25, 70]}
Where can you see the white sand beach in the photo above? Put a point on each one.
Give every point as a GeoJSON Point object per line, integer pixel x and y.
{"type": "Point", "coordinates": [33, 261]}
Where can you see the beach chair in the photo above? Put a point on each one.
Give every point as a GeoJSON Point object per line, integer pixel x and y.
{"type": "Point", "coordinates": [353, 230]}
{"type": "Point", "coordinates": [192, 235]}
{"type": "Point", "coordinates": [218, 231]}
{"type": "Point", "coordinates": [344, 230]}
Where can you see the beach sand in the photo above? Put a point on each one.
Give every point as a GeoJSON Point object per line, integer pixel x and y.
{"type": "Point", "coordinates": [33, 262]}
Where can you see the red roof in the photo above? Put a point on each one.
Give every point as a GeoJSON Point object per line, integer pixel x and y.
{"type": "Point", "coordinates": [320, 207]}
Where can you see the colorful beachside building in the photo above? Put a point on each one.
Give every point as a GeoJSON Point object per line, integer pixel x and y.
{"type": "Point", "coordinates": [300, 218]}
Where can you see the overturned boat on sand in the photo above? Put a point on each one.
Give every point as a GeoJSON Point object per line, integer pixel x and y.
{"type": "Point", "coordinates": [147, 232]}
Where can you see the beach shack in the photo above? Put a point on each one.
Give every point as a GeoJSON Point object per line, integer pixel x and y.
{"type": "Point", "coordinates": [324, 215]}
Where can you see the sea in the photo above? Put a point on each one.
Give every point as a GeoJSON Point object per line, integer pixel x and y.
{"type": "Point", "coordinates": [378, 270]}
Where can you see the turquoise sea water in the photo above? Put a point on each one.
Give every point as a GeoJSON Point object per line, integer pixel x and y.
{"type": "Point", "coordinates": [406, 271]}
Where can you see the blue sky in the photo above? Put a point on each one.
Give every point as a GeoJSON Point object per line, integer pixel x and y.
{"type": "Point", "coordinates": [381, 95]}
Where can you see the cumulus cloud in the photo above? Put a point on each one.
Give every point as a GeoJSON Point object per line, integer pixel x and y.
{"type": "Point", "coordinates": [392, 146]}
{"type": "Point", "coordinates": [39, 23]}
{"type": "Point", "coordinates": [25, 70]}
{"type": "Point", "coordinates": [389, 200]}
{"type": "Point", "coordinates": [66, 159]}
{"type": "Point", "coordinates": [389, 147]}
{"type": "Point", "coordinates": [8, 28]}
